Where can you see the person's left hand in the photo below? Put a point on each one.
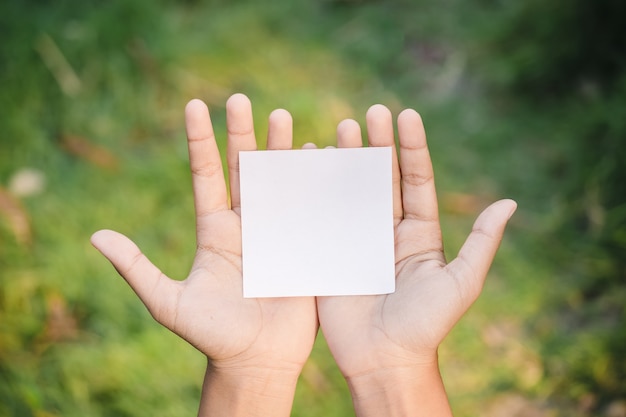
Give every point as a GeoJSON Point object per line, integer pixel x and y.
{"type": "Point", "coordinates": [386, 345]}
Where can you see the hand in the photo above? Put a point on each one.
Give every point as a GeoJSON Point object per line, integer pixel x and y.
{"type": "Point", "coordinates": [255, 347]}
{"type": "Point", "coordinates": [386, 345]}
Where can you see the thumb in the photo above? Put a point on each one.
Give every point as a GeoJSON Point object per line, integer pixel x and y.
{"type": "Point", "coordinates": [474, 259]}
{"type": "Point", "coordinates": [154, 288]}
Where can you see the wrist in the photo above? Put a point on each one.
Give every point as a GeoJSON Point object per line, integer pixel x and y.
{"type": "Point", "coordinates": [248, 391]}
{"type": "Point", "coordinates": [398, 391]}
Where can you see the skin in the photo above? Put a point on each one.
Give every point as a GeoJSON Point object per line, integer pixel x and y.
{"type": "Point", "coordinates": [255, 347]}
{"type": "Point", "coordinates": [385, 345]}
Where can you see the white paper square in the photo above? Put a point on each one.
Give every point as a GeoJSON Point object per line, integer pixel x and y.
{"type": "Point", "coordinates": [317, 222]}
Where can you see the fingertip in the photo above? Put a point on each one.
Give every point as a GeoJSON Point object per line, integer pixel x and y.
{"type": "Point", "coordinates": [411, 130]}
{"type": "Point", "coordinates": [280, 115]}
{"type": "Point", "coordinates": [506, 207]}
{"type": "Point", "coordinates": [512, 205]}
{"type": "Point", "coordinates": [409, 115]}
{"type": "Point", "coordinates": [195, 105]}
{"type": "Point", "coordinates": [106, 240]}
{"type": "Point", "coordinates": [239, 124]}
{"type": "Point", "coordinates": [100, 237]}
{"type": "Point", "coordinates": [309, 145]}
{"type": "Point", "coordinates": [347, 126]}
{"type": "Point", "coordinates": [379, 122]}
{"type": "Point", "coordinates": [197, 120]}
{"type": "Point", "coordinates": [378, 110]}
{"type": "Point", "coordinates": [493, 220]}
{"type": "Point", "coordinates": [349, 134]}
{"type": "Point", "coordinates": [237, 99]}
{"type": "Point", "coordinates": [280, 130]}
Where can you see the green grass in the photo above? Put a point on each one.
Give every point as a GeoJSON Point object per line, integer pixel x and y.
{"type": "Point", "coordinates": [74, 339]}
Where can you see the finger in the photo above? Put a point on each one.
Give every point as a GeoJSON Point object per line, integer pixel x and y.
{"type": "Point", "coordinates": [419, 198]}
{"type": "Point", "coordinates": [280, 130]}
{"type": "Point", "coordinates": [380, 133]}
{"type": "Point", "coordinates": [240, 128]}
{"type": "Point", "coordinates": [476, 255]}
{"type": "Point", "coordinates": [349, 134]}
{"type": "Point", "coordinates": [309, 145]}
{"type": "Point", "coordinates": [207, 174]}
{"type": "Point", "coordinates": [156, 291]}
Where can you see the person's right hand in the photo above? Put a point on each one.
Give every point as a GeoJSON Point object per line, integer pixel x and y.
{"type": "Point", "coordinates": [256, 348]}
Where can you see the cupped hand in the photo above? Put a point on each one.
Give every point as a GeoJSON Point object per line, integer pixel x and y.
{"type": "Point", "coordinates": [207, 308]}
{"type": "Point", "coordinates": [398, 332]}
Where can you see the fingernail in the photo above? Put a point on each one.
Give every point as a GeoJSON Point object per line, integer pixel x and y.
{"type": "Point", "coordinates": [513, 209]}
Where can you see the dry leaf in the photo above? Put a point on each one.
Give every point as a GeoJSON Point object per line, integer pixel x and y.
{"type": "Point", "coordinates": [60, 323]}
{"type": "Point", "coordinates": [464, 204]}
{"type": "Point", "coordinates": [89, 152]}
{"type": "Point", "coordinates": [16, 217]}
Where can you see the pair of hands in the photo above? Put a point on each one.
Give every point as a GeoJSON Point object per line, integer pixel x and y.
{"type": "Point", "coordinates": [257, 347]}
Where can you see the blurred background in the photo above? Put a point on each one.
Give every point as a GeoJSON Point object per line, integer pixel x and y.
{"type": "Point", "coordinates": [525, 100]}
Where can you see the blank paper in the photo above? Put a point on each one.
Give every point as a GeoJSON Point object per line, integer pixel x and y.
{"type": "Point", "coordinates": [317, 222]}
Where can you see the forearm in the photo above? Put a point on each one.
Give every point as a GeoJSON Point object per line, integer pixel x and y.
{"type": "Point", "coordinates": [400, 392]}
{"type": "Point", "coordinates": [257, 392]}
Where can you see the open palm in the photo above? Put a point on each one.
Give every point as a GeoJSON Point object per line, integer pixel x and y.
{"type": "Point", "coordinates": [208, 309]}
{"type": "Point", "coordinates": [377, 334]}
